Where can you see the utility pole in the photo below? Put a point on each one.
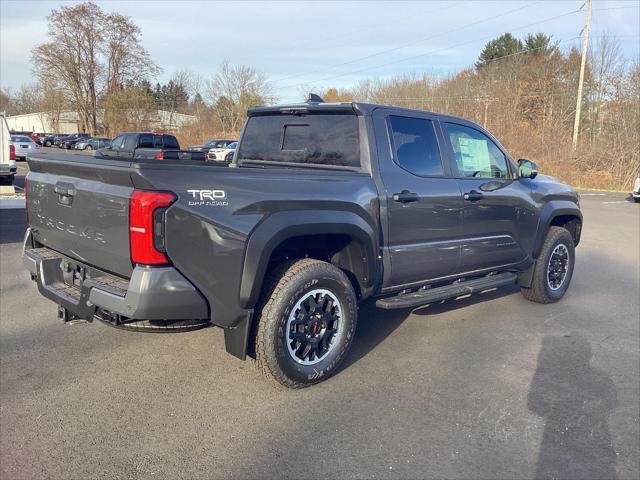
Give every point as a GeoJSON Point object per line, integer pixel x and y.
{"type": "Point", "coordinates": [585, 43]}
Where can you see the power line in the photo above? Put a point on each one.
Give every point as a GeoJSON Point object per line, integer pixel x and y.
{"type": "Point", "coordinates": [432, 51]}
{"type": "Point", "coordinates": [414, 42]}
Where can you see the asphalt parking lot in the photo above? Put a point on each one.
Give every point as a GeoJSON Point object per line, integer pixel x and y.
{"type": "Point", "coordinates": [490, 386]}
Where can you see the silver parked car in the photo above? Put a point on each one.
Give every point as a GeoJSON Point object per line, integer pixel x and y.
{"type": "Point", "coordinates": [24, 146]}
{"type": "Point", "coordinates": [636, 190]}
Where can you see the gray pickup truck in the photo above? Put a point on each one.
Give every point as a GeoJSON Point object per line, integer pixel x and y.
{"type": "Point", "coordinates": [325, 205]}
{"type": "Point", "coordinates": [147, 145]}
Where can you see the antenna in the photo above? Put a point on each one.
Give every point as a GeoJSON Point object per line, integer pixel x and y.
{"type": "Point", "coordinates": [314, 98]}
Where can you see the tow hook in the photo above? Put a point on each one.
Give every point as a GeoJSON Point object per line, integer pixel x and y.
{"type": "Point", "coordinates": [68, 317]}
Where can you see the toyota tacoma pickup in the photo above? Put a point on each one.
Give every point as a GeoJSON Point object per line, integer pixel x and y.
{"type": "Point", "coordinates": [324, 206]}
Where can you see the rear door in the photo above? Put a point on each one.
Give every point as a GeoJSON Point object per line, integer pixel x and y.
{"type": "Point", "coordinates": [169, 142]}
{"type": "Point", "coordinates": [497, 216]}
{"type": "Point", "coordinates": [423, 201]}
{"type": "Point", "coordinates": [129, 146]}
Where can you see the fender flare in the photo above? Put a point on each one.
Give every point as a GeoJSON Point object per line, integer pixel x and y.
{"type": "Point", "coordinates": [283, 225]}
{"type": "Point", "coordinates": [550, 211]}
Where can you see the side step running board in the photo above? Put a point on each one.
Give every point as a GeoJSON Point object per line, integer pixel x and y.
{"type": "Point", "coordinates": [423, 297]}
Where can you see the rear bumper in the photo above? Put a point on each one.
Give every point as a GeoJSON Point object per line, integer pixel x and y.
{"type": "Point", "coordinates": [152, 293]}
{"type": "Point", "coordinates": [7, 170]}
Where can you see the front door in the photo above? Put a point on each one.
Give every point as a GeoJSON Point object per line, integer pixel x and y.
{"type": "Point", "coordinates": [423, 201]}
{"type": "Point", "coordinates": [498, 218]}
{"type": "Point", "coordinates": [113, 148]}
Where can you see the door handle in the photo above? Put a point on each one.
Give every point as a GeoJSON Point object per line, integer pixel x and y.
{"type": "Point", "coordinates": [405, 196]}
{"type": "Point", "coordinates": [473, 196]}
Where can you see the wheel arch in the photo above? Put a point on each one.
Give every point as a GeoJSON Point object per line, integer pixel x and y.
{"type": "Point", "coordinates": [561, 214]}
{"type": "Point", "coordinates": [347, 239]}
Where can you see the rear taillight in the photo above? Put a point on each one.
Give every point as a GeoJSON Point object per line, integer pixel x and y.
{"type": "Point", "coordinates": [160, 155]}
{"type": "Point", "coordinates": [146, 226]}
{"type": "Point", "coordinates": [12, 152]}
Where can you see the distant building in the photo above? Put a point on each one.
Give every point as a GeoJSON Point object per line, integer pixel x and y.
{"type": "Point", "coordinates": [69, 122]}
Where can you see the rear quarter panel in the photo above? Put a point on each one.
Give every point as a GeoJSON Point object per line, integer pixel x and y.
{"type": "Point", "coordinates": [206, 237]}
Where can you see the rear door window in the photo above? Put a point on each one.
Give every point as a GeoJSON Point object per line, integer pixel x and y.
{"type": "Point", "coordinates": [129, 143]}
{"type": "Point", "coordinates": [146, 141]}
{"type": "Point", "coordinates": [170, 142]}
{"type": "Point", "coordinates": [416, 145]}
{"type": "Point", "coordinates": [327, 138]}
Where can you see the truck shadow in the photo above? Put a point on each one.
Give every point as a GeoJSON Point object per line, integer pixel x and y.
{"type": "Point", "coordinates": [375, 325]}
{"type": "Point", "coordinates": [575, 399]}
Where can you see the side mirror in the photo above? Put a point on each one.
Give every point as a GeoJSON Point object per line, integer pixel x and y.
{"type": "Point", "coordinates": [527, 169]}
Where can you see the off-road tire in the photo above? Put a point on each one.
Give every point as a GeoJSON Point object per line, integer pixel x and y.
{"type": "Point", "coordinates": [540, 290]}
{"type": "Point", "coordinates": [284, 286]}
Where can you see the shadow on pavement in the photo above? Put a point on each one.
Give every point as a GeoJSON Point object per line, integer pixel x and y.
{"type": "Point", "coordinates": [575, 400]}
{"type": "Point", "coordinates": [375, 325]}
{"type": "Point", "coordinates": [12, 225]}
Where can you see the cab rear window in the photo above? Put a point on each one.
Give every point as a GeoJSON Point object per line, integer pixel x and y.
{"type": "Point", "coordinates": [313, 138]}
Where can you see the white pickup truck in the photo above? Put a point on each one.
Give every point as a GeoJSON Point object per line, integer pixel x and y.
{"type": "Point", "coordinates": [7, 153]}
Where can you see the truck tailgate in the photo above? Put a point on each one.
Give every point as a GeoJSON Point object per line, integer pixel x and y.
{"type": "Point", "coordinates": [80, 207]}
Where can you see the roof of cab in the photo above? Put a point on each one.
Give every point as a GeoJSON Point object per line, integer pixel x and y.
{"type": "Point", "coordinates": [357, 107]}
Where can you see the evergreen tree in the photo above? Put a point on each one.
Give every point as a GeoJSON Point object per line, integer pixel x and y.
{"type": "Point", "coordinates": [506, 44]}
{"type": "Point", "coordinates": [540, 44]}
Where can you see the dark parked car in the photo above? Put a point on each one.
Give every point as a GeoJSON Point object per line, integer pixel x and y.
{"type": "Point", "coordinates": [50, 140]}
{"type": "Point", "coordinates": [141, 145]}
{"type": "Point", "coordinates": [328, 204]}
{"type": "Point", "coordinates": [70, 140]}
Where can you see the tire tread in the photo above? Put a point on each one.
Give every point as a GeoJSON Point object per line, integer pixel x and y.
{"type": "Point", "coordinates": [276, 281]}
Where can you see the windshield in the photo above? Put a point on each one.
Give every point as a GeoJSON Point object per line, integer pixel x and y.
{"type": "Point", "coordinates": [20, 138]}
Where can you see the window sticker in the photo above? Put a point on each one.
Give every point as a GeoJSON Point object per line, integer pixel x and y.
{"type": "Point", "coordinates": [475, 155]}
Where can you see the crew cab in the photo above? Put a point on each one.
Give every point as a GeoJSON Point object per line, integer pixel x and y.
{"type": "Point", "coordinates": [324, 206]}
{"type": "Point", "coordinates": [141, 145]}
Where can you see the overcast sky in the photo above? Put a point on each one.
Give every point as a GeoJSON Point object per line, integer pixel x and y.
{"type": "Point", "coordinates": [302, 45]}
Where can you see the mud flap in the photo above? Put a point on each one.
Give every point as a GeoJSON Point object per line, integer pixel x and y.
{"type": "Point", "coordinates": [236, 339]}
{"type": "Point", "coordinates": [525, 278]}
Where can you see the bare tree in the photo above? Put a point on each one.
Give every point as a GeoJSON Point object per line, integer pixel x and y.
{"type": "Point", "coordinates": [70, 58]}
{"type": "Point", "coordinates": [606, 67]}
{"type": "Point", "coordinates": [87, 53]}
{"type": "Point", "coordinates": [127, 60]}
{"type": "Point", "coordinates": [233, 90]}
